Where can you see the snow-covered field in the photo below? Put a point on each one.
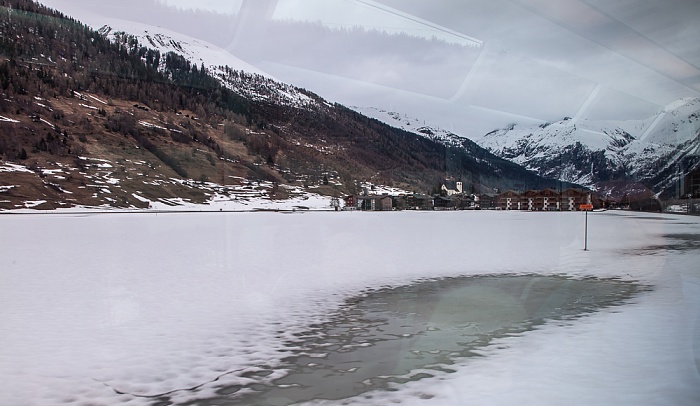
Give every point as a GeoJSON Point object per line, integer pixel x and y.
{"type": "Point", "coordinates": [100, 309]}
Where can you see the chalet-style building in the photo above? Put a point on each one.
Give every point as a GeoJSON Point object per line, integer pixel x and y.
{"type": "Point", "coordinates": [540, 200]}
{"type": "Point", "coordinates": [527, 200]}
{"type": "Point", "coordinates": [444, 203]}
{"type": "Point", "coordinates": [418, 201]}
{"type": "Point", "coordinates": [349, 203]}
{"type": "Point", "coordinates": [369, 203]}
{"type": "Point", "coordinates": [487, 201]}
{"type": "Point", "coordinates": [509, 200]}
{"type": "Point", "coordinates": [572, 199]}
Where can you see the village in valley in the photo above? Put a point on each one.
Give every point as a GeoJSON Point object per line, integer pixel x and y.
{"type": "Point", "coordinates": [452, 196]}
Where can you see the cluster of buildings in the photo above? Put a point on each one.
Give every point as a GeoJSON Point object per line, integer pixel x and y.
{"type": "Point", "coordinates": [453, 197]}
{"type": "Point", "coordinates": [545, 200]}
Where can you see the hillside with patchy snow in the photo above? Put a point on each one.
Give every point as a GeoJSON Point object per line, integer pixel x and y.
{"type": "Point", "coordinates": [237, 75]}
{"type": "Point", "coordinates": [595, 154]}
{"type": "Point", "coordinates": [173, 130]}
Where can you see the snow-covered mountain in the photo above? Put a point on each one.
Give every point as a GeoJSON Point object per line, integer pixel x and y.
{"type": "Point", "coordinates": [239, 76]}
{"type": "Point", "coordinates": [243, 78]}
{"type": "Point", "coordinates": [597, 154]}
{"type": "Point", "coordinates": [654, 151]}
{"type": "Point", "coordinates": [164, 40]}
{"type": "Point", "coordinates": [411, 124]}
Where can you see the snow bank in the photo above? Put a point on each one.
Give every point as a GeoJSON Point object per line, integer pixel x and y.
{"type": "Point", "coordinates": [105, 309]}
{"type": "Point", "coordinates": [10, 167]}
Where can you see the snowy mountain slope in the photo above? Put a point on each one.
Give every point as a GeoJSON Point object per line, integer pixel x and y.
{"type": "Point", "coordinates": [590, 153]}
{"type": "Point", "coordinates": [555, 136]}
{"type": "Point", "coordinates": [580, 153]}
{"type": "Point", "coordinates": [411, 124]}
{"type": "Point", "coordinates": [490, 164]}
{"type": "Point", "coordinates": [234, 73]}
{"type": "Point", "coordinates": [651, 151]}
{"type": "Point", "coordinates": [164, 40]}
{"type": "Point", "coordinates": [157, 38]}
{"type": "Point", "coordinates": [239, 76]}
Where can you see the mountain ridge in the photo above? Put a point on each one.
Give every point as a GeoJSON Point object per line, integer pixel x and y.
{"type": "Point", "coordinates": [593, 154]}
{"type": "Point", "coordinates": [95, 120]}
{"type": "Point", "coordinates": [650, 154]}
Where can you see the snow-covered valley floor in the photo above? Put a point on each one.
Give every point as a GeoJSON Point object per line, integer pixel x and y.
{"type": "Point", "coordinates": [115, 309]}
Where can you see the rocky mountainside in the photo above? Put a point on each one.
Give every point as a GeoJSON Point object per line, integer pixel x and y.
{"type": "Point", "coordinates": [653, 152]}
{"type": "Point", "coordinates": [613, 157]}
{"type": "Point", "coordinates": [98, 117]}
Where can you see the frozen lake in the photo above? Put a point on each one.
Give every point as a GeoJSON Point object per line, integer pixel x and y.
{"type": "Point", "coordinates": [412, 307]}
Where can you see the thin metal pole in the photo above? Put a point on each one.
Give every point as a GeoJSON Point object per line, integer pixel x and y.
{"type": "Point", "coordinates": [585, 239]}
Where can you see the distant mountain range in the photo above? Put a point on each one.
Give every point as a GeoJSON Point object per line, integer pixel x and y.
{"type": "Point", "coordinates": [611, 157]}
{"type": "Point", "coordinates": [654, 152]}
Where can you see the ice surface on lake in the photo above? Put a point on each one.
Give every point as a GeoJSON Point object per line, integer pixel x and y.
{"type": "Point", "coordinates": [392, 336]}
{"type": "Point", "coordinates": [122, 308]}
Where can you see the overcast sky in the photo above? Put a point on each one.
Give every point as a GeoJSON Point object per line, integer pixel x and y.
{"type": "Point", "coordinates": [523, 60]}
